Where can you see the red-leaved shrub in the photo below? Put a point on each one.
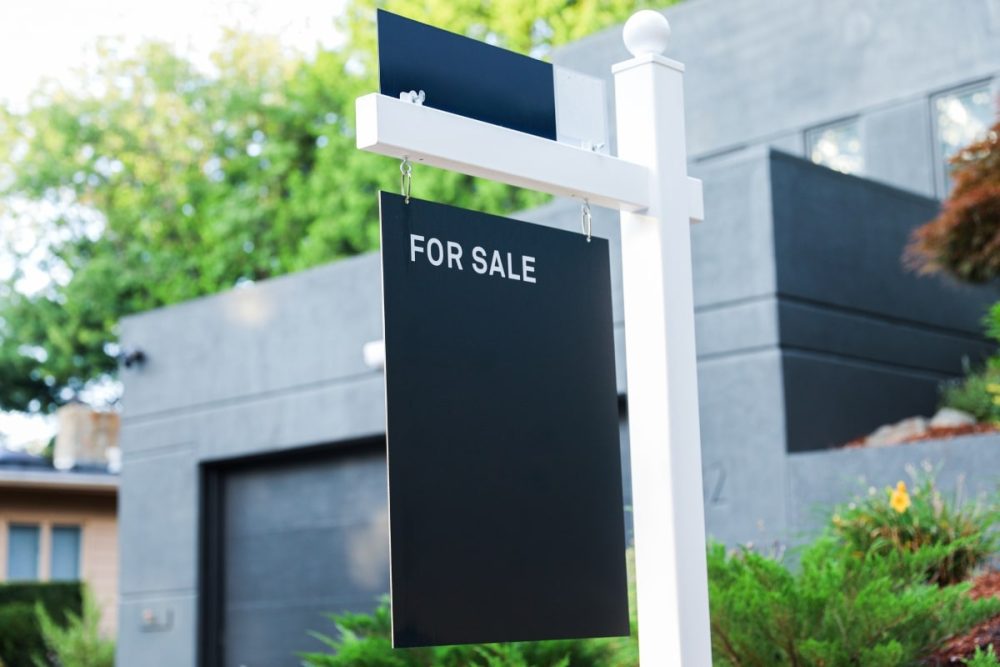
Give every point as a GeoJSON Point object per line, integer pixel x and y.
{"type": "Point", "coordinates": [964, 240]}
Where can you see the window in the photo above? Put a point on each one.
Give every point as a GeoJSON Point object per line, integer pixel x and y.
{"type": "Point", "coordinates": [22, 552]}
{"type": "Point", "coordinates": [837, 146]}
{"type": "Point", "coordinates": [960, 118]}
{"type": "Point", "coordinates": [65, 553]}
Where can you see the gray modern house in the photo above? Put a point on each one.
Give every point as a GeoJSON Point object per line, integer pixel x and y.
{"type": "Point", "coordinates": [253, 492]}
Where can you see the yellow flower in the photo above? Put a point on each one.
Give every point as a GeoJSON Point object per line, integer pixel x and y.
{"type": "Point", "coordinates": [900, 499]}
{"type": "Point", "coordinates": [993, 388]}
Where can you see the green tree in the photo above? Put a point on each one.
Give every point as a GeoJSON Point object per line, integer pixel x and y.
{"type": "Point", "coordinates": [147, 181]}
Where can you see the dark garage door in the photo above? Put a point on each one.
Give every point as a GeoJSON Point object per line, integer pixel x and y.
{"type": "Point", "coordinates": [298, 538]}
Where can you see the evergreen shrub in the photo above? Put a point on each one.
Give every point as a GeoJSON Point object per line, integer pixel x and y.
{"type": "Point", "coordinates": [76, 642]}
{"type": "Point", "coordinates": [20, 635]}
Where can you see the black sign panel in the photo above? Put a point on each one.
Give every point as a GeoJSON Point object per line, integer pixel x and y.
{"type": "Point", "coordinates": [505, 490]}
{"type": "Point", "coordinates": [466, 77]}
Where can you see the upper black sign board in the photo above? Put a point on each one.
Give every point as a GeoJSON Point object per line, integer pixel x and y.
{"type": "Point", "coordinates": [505, 490]}
{"type": "Point", "coordinates": [466, 77]}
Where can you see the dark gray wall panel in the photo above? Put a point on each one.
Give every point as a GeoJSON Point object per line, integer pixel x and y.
{"type": "Point", "coordinates": [872, 337]}
{"type": "Point", "coordinates": [839, 240]}
{"type": "Point", "coordinates": [830, 400]}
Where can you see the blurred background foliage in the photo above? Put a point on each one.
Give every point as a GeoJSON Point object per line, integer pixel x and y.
{"type": "Point", "coordinates": [148, 179]}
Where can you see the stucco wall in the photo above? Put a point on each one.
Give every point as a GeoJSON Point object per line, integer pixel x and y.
{"type": "Point", "coordinates": [762, 72]}
{"type": "Point", "coordinates": [94, 513]}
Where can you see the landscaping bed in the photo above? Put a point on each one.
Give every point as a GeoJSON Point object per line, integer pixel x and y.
{"type": "Point", "coordinates": [960, 649]}
{"type": "Point", "coordinates": [934, 433]}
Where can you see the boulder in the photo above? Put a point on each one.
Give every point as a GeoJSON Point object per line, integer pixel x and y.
{"type": "Point", "coordinates": [893, 434]}
{"type": "Point", "coordinates": [950, 418]}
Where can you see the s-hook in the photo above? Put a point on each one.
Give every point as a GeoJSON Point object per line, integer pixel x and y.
{"type": "Point", "coordinates": [405, 178]}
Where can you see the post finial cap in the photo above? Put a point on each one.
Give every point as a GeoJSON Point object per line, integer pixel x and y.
{"type": "Point", "coordinates": [646, 32]}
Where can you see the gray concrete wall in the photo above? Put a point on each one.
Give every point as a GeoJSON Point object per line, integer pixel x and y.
{"type": "Point", "coordinates": [966, 469]}
{"type": "Point", "coordinates": [762, 72]}
{"type": "Point", "coordinates": [277, 365]}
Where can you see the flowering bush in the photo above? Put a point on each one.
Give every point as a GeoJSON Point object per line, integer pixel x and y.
{"type": "Point", "coordinates": [962, 536]}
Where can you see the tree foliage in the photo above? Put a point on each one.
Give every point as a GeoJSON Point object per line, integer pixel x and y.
{"type": "Point", "coordinates": [964, 240]}
{"type": "Point", "coordinates": [148, 180]}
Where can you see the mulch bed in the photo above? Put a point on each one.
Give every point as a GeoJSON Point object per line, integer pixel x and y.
{"type": "Point", "coordinates": [986, 633]}
{"type": "Point", "coordinates": [935, 433]}
{"type": "Point", "coordinates": [985, 585]}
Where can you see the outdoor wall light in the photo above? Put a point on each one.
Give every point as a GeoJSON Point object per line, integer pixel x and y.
{"type": "Point", "coordinates": [130, 357]}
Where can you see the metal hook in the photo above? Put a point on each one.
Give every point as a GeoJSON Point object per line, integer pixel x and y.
{"type": "Point", "coordinates": [586, 218]}
{"type": "Point", "coordinates": [405, 178]}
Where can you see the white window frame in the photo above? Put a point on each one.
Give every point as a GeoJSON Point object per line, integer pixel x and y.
{"type": "Point", "coordinates": [942, 180]}
{"type": "Point", "coordinates": [814, 130]}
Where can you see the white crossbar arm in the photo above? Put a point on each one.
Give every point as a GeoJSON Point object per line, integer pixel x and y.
{"type": "Point", "coordinates": [397, 128]}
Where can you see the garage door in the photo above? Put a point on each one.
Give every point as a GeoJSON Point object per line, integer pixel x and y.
{"type": "Point", "coordinates": [299, 539]}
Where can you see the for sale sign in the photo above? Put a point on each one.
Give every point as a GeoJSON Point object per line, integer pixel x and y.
{"type": "Point", "coordinates": [505, 491]}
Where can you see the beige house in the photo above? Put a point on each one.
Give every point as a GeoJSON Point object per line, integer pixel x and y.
{"type": "Point", "coordinates": [61, 524]}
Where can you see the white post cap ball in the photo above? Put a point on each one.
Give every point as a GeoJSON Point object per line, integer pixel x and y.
{"type": "Point", "coordinates": [645, 32]}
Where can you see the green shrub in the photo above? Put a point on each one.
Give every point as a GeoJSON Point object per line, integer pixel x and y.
{"type": "Point", "coordinates": [871, 592]}
{"type": "Point", "coordinates": [365, 642]}
{"type": "Point", "coordinates": [873, 611]}
{"type": "Point", "coordinates": [77, 642]}
{"type": "Point", "coordinates": [978, 393]}
{"type": "Point", "coordinates": [57, 596]}
{"type": "Point", "coordinates": [987, 658]}
{"type": "Point", "coordinates": [898, 521]}
{"type": "Point", "coordinates": [973, 394]}
{"type": "Point", "coordinates": [20, 635]}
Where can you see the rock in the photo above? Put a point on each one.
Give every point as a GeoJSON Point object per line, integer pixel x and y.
{"type": "Point", "coordinates": [893, 434]}
{"type": "Point", "coordinates": [950, 417]}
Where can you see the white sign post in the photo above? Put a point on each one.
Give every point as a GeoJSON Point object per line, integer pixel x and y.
{"type": "Point", "coordinates": [664, 433]}
{"type": "Point", "coordinates": [648, 182]}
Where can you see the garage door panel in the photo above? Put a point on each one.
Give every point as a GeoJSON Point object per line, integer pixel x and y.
{"type": "Point", "coordinates": [300, 539]}
{"type": "Point", "coordinates": [340, 494]}
{"type": "Point", "coordinates": [322, 559]}
{"type": "Point", "coordinates": [292, 625]}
